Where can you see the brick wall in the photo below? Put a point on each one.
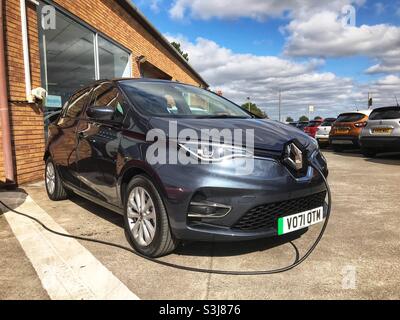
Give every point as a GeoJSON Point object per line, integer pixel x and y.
{"type": "Point", "coordinates": [104, 15]}
{"type": "Point", "coordinates": [2, 178]}
{"type": "Point", "coordinates": [111, 19]}
{"type": "Point", "coordinates": [26, 120]}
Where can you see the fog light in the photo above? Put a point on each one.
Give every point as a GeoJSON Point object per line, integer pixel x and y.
{"type": "Point", "coordinates": [208, 210]}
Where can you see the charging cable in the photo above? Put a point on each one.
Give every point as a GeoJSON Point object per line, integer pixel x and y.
{"type": "Point", "coordinates": [296, 263]}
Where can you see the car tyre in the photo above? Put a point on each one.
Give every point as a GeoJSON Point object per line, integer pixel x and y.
{"type": "Point", "coordinates": [54, 187]}
{"type": "Point", "coordinates": [369, 153]}
{"type": "Point", "coordinates": [146, 221]}
{"type": "Point", "coordinates": [337, 149]}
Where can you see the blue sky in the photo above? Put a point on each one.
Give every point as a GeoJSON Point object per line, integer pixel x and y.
{"type": "Point", "coordinates": [300, 47]}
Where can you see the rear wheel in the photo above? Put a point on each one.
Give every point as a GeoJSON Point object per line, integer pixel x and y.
{"type": "Point", "coordinates": [54, 187]}
{"type": "Point", "coordinates": [369, 153]}
{"type": "Point", "coordinates": [146, 221]}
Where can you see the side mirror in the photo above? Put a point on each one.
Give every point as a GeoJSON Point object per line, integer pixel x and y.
{"type": "Point", "coordinates": [100, 113]}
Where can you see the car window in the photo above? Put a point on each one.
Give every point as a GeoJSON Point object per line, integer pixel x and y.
{"type": "Point", "coordinates": [385, 114]}
{"type": "Point", "coordinates": [350, 117]}
{"type": "Point", "coordinates": [314, 123]}
{"type": "Point", "coordinates": [75, 106]}
{"type": "Point", "coordinates": [177, 100]}
{"type": "Point", "coordinates": [107, 94]}
{"type": "Point", "coordinates": [327, 123]}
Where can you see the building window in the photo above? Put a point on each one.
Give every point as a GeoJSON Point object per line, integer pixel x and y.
{"type": "Point", "coordinates": [68, 60]}
{"type": "Point", "coordinates": [74, 55]}
{"type": "Point", "coordinates": [113, 61]}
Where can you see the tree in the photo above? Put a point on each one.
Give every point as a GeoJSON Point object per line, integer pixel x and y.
{"type": "Point", "coordinates": [177, 46]}
{"type": "Point", "coordinates": [254, 109]}
{"type": "Point", "coordinates": [289, 119]}
{"type": "Point", "coordinates": [318, 118]}
{"type": "Point", "coordinates": [304, 119]}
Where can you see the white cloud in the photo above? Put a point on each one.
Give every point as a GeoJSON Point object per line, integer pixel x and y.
{"type": "Point", "coordinates": [255, 9]}
{"type": "Point", "coordinates": [260, 77]}
{"type": "Point", "coordinates": [383, 90]}
{"type": "Point", "coordinates": [217, 63]}
{"type": "Point", "coordinates": [315, 28]}
{"type": "Point", "coordinates": [323, 35]}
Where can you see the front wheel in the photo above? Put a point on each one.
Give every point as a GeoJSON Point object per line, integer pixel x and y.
{"type": "Point", "coordinates": [146, 221]}
{"type": "Point", "coordinates": [54, 187]}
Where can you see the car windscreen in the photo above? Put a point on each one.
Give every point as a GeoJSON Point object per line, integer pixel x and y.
{"type": "Point", "coordinates": [385, 114]}
{"type": "Point", "coordinates": [350, 117]}
{"type": "Point", "coordinates": [302, 124]}
{"type": "Point", "coordinates": [314, 123]}
{"type": "Point", "coordinates": [327, 123]}
{"type": "Point", "coordinates": [174, 100]}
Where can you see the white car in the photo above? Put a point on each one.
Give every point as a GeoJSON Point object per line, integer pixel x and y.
{"type": "Point", "coordinates": [322, 135]}
{"type": "Point", "coordinates": [382, 132]}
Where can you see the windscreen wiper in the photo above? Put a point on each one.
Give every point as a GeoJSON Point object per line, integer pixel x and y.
{"type": "Point", "coordinates": [222, 116]}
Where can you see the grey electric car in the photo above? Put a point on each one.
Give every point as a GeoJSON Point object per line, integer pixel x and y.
{"type": "Point", "coordinates": [382, 132]}
{"type": "Point", "coordinates": [99, 147]}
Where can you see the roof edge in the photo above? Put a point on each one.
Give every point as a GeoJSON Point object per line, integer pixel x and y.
{"type": "Point", "coordinates": [134, 11]}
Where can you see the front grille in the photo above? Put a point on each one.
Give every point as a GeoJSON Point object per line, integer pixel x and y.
{"type": "Point", "coordinates": [266, 216]}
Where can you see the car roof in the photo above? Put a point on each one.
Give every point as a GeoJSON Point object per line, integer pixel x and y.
{"type": "Point", "coordinates": [384, 108]}
{"type": "Point", "coordinates": [364, 112]}
{"type": "Point", "coordinates": [148, 80]}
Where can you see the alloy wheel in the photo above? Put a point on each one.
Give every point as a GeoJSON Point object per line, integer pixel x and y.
{"type": "Point", "coordinates": [50, 178]}
{"type": "Point", "coordinates": [141, 216]}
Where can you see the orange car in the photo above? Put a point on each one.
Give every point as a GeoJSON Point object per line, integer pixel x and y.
{"type": "Point", "coordinates": [347, 128]}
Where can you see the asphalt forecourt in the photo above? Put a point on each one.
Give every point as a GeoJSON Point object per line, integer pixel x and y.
{"type": "Point", "coordinates": [355, 259]}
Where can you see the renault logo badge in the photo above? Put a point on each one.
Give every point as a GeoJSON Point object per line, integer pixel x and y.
{"type": "Point", "coordinates": [294, 157]}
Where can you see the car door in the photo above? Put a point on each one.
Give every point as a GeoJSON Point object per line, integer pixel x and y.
{"type": "Point", "coordinates": [98, 145]}
{"type": "Point", "coordinates": [63, 146]}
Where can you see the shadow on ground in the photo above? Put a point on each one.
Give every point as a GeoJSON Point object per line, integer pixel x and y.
{"type": "Point", "coordinates": [218, 249]}
{"type": "Point", "coordinates": [392, 158]}
{"type": "Point", "coordinates": [12, 199]}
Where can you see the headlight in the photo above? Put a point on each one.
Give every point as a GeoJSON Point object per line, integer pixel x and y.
{"type": "Point", "coordinates": [214, 152]}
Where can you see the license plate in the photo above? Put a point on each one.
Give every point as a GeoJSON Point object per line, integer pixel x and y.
{"type": "Point", "coordinates": [382, 130]}
{"type": "Point", "coordinates": [342, 131]}
{"type": "Point", "coordinates": [300, 220]}
{"type": "Point", "coordinates": [342, 142]}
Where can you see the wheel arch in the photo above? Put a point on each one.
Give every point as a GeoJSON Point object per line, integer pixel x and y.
{"type": "Point", "coordinates": [46, 155]}
{"type": "Point", "coordinates": [132, 170]}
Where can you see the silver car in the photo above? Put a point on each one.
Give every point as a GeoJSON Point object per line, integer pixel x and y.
{"type": "Point", "coordinates": [382, 132]}
{"type": "Point", "coordinates": [322, 135]}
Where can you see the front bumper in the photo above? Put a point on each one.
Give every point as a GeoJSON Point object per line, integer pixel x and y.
{"type": "Point", "coordinates": [387, 144]}
{"type": "Point", "coordinates": [271, 182]}
{"type": "Point", "coordinates": [322, 139]}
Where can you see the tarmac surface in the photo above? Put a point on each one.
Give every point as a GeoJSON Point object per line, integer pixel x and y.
{"type": "Point", "coordinates": [358, 258]}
